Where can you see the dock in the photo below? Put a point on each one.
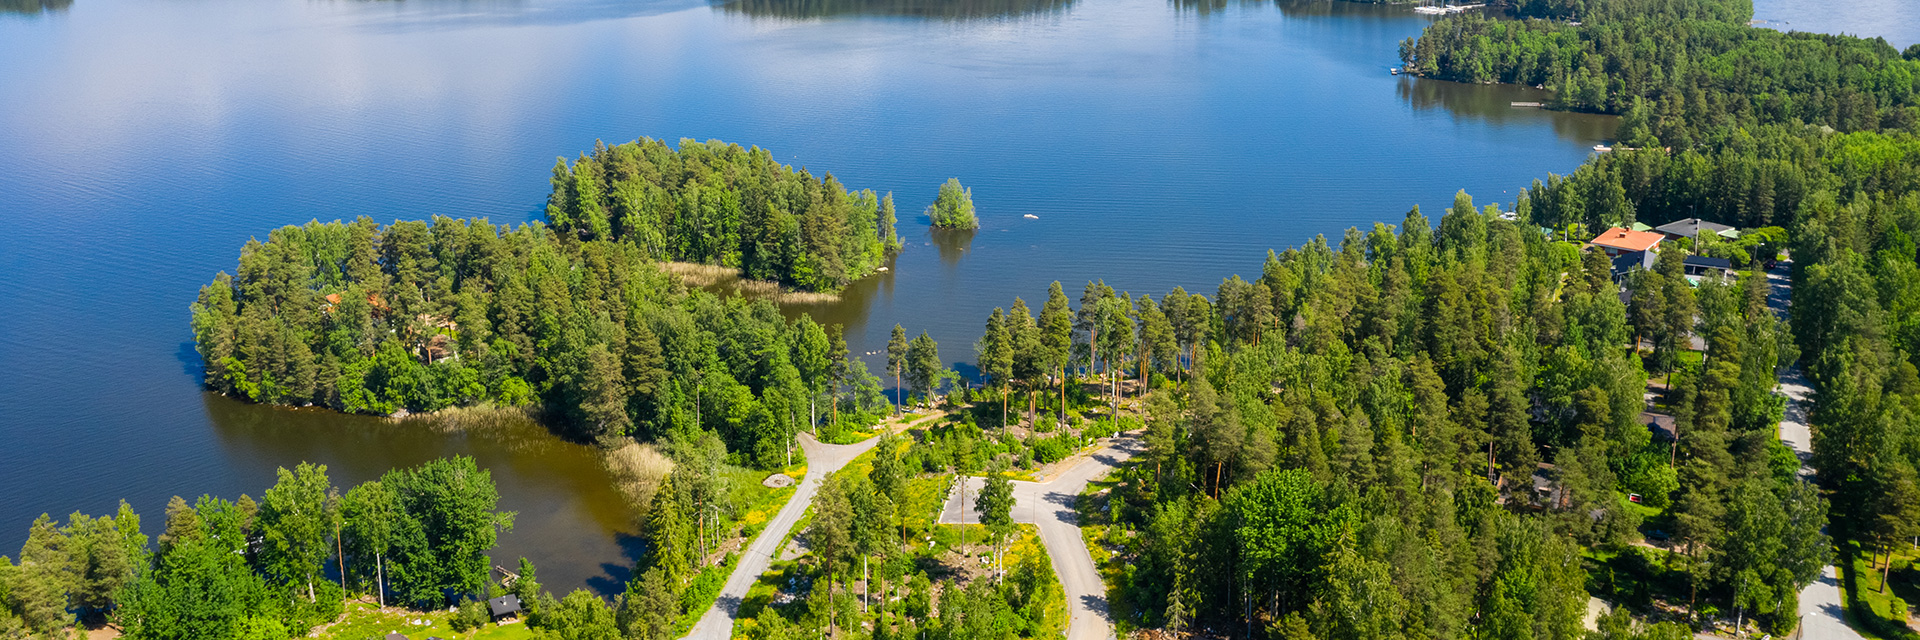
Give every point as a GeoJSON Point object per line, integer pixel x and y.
{"type": "Point", "coordinates": [1445, 9]}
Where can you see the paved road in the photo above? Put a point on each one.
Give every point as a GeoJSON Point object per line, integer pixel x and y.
{"type": "Point", "coordinates": [1821, 614]}
{"type": "Point", "coordinates": [822, 459]}
{"type": "Point", "coordinates": [1050, 506]}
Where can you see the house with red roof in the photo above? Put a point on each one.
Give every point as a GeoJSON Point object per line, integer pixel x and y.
{"type": "Point", "coordinates": [1627, 247]}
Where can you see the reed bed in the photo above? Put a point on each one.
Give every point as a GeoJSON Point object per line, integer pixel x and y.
{"type": "Point", "coordinates": [638, 470]}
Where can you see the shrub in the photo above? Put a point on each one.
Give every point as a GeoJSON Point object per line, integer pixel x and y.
{"type": "Point", "coordinates": [471, 615]}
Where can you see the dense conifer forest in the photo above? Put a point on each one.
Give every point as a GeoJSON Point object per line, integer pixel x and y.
{"type": "Point", "coordinates": [1435, 429]}
{"type": "Point", "coordinates": [422, 316]}
{"type": "Point", "coordinates": [716, 203]}
{"type": "Point", "coordinates": [1678, 69]}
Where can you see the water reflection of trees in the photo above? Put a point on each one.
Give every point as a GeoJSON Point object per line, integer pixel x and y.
{"type": "Point", "coordinates": [1304, 8]}
{"type": "Point", "coordinates": [1493, 103]}
{"type": "Point", "coordinates": [33, 6]}
{"type": "Point", "coordinates": [939, 9]}
{"type": "Point", "coordinates": [953, 244]}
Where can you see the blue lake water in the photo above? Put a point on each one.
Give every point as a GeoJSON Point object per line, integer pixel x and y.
{"type": "Point", "coordinates": [142, 141]}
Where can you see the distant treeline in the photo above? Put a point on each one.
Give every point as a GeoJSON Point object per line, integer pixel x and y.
{"type": "Point", "coordinates": [1736, 11]}
{"type": "Point", "coordinates": [421, 316]}
{"type": "Point", "coordinates": [717, 203]}
{"type": "Point", "coordinates": [34, 6]}
{"type": "Point", "coordinates": [1751, 178]}
{"type": "Point", "coordinates": [1682, 76]}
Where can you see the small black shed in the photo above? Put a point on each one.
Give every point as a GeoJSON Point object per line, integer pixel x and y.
{"type": "Point", "coordinates": [504, 606]}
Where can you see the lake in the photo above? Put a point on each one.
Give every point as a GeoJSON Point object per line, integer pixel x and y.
{"type": "Point", "coordinates": [1155, 144]}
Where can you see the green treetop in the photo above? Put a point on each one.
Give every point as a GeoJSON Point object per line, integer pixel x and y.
{"type": "Point", "coordinates": [953, 209]}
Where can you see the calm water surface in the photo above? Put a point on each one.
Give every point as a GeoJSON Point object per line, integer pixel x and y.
{"type": "Point", "coordinates": [142, 141]}
{"type": "Point", "coordinates": [1896, 20]}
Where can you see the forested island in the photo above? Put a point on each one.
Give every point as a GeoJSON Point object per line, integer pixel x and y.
{"type": "Point", "coordinates": [1466, 429]}
{"type": "Point", "coordinates": [953, 208]}
{"type": "Point", "coordinates": [715, 203]}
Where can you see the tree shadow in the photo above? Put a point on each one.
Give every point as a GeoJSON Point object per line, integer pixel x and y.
{"type": "Point", "coordinates": [1097, 604]}
{"type": "Point", "coordinates": [189, 358]}
{"type": "Point", "coordinates": [614, 576]}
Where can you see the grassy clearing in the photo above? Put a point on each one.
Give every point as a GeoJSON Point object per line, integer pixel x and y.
{"type": "Point", "coordinates": [708, 275]}
{"type": "Point", "coordinates": [363, 621]}
{"type": "Point", "coordinates": [758, 502]}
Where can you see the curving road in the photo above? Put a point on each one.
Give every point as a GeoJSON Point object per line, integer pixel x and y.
{"type": "Point", "coordinates": [1822, 616]}
{"type": "Point", "coordinates": [822, 459]}
{"type": "Point", "coordinates": [1050, 506]}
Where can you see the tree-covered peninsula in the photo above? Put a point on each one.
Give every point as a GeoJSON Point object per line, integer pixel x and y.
{"type": "Point", "coordinates": [1678, 69]}
{"type": "Point", "coordinates": [716, 203]}
{"type": "Point", "coordinates": [423, 316]}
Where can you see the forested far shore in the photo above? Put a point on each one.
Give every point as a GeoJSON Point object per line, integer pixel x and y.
{"type": "Point", "coordinates": [716, 203]}
{"type": "Point", "coordinates": [1693, 69]}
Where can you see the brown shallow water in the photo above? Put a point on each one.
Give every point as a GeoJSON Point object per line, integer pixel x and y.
{"type": "Point", "coordinates": [572, 522]}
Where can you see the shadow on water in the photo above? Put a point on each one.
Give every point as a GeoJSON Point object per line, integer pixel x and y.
{"type": "Point", "coordinates": [571, 521]}
{"type": "Point", "coordinates": [932, 9]}
{"type": "Point", "coordinates": [1493, 104]}
{"type": "Point", "coordinates": [33, 7]}
{"type": "Point", "coordinates": [190, 361]}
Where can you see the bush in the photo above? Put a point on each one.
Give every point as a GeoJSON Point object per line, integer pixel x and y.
{"type": "Point", "coordinates": [1050, 450]}
{"type": "Point", "coordinates": [1043, 425]}
{"type": "Point", "coordinates": [471, 615]}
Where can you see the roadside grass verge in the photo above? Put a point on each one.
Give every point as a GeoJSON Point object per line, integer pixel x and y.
{"type": "Point", "coordinates": [1112, 549]}
{"type": "Point", "coordinates": [1873, 607]}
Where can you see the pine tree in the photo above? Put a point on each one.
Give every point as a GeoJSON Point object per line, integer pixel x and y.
{"type": "Point", "coordinates": [996, 357]}
{"type": "Point", "coordinates": [1056, 339]}
{"type": "Point", "coordinates": [897, 363]}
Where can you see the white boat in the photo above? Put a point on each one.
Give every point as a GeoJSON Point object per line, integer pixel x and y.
{"type": "Point", "coordinates": [1032, 217]}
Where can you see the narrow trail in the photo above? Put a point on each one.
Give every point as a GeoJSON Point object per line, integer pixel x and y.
{"type": "Point", "coordinates": [1822, 615]}
{"type": "Point", "coordinates": [822, 459]}
{"type": "Point", "coordinates": [1050, 506]}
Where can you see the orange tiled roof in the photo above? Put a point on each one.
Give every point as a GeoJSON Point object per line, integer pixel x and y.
{"type": "Point", "coordinates": [1624, 240]}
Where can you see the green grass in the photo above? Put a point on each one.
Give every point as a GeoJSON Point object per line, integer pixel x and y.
{"type": "Point", "coordinates": [757, 502]}
{"type": "Point", "coordinates": [364, 621]}
{"type": "Point", "coordinates": [701, 593]}
{"type": "Point", "coordinates": [1870, 610]}
{"type": "Point", "coordinates": [503, 632]}
{"type": "Point", "coordinates": [1115, 574]}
